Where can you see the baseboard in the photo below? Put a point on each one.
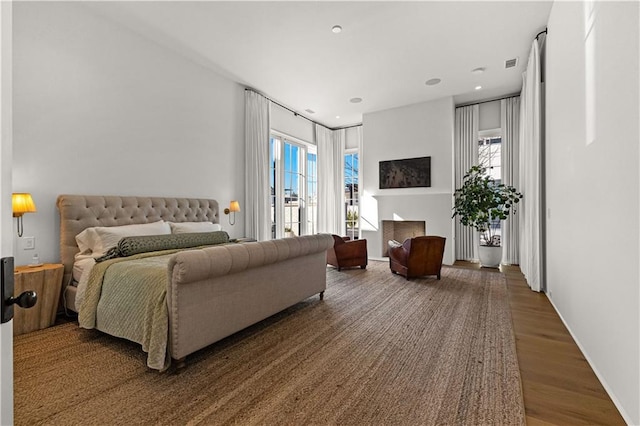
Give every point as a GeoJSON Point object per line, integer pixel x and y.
{"type": "Point", "coordinates": [604, 383]}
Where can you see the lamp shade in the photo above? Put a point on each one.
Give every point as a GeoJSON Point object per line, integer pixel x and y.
{"type": "Point", "coordinates": [22, 203]}
{"type": "Point", "coordinates": [234, 206]}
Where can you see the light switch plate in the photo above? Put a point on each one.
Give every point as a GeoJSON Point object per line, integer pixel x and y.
{"type": "Point", "coordinates": [29, 243]}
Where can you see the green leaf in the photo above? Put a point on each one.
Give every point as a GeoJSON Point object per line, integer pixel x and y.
{"type": "Point", "coordinates": [480, 199]}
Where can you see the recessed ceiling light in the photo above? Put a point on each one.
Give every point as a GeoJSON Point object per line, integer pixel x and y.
{"type": "Point", "coordinates": [355, 100]}
{"type": "Point", "coordinates": [478, 70]}
{"type": "Point", "coordinates": [336, 29]}
{"type": "Point", "coordinates": [478, 87]}
{"type": "Point", "coordinates": [337, 116]}
{"type": "Point", "coordinates": [432, 82]}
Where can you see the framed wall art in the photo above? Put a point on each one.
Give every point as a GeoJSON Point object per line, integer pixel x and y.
{"type": "Point", "coordinates": [407, 173]}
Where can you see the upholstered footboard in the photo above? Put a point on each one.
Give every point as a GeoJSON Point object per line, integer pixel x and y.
{"type": "Point", "coordinates": [217, 291]}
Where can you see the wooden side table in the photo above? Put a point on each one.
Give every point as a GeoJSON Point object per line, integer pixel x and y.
{"type": "Point", "coordinates": [46, 281]}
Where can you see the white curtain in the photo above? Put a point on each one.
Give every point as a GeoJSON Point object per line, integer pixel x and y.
{"type": "Point", "coordinates": [359, 136]}
{"type": "Point", "coordinates": [510, 119]}
{"type": "Point", "coordinates": [257, 207]}
{"type": "Point", "coordinates": [330, 180]}
{"type": "Point", "coordinates": [466, 155]}
{"type": "Point", "coordinates": [530, 172]}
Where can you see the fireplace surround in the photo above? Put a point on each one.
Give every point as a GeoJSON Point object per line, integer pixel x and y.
{"type": "Point", "coordinates": [400, 230]}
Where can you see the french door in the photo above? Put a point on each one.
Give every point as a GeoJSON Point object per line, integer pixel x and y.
{"type": "Point", "coordinates": [293, 182]}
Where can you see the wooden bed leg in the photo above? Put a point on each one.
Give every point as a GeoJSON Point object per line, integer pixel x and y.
{"type": "Point", "coordinates": [181, 363]}
{"type": "Point", "coordinates": [322, 295]}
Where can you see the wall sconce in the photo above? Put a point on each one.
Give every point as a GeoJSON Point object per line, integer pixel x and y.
{"type": "Point", "coordinates": [22, 203]}
{"type": "Point", "coordinates": [234, 207]}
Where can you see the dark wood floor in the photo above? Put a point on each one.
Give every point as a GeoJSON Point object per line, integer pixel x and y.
{"type": "Point", "coordinates": [559, 386]}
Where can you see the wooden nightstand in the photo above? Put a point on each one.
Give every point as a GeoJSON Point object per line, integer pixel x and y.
{"type": "Point", "coordinates": [46, 281]}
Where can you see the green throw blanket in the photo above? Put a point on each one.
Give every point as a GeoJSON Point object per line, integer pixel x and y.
{"type": "Point", "coordinates": [126, 297]}
{"type": "Point", "coordinates": [128, 246]}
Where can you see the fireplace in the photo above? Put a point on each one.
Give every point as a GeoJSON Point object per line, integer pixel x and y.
{"type": "Point", "coordinates": [400, 230]}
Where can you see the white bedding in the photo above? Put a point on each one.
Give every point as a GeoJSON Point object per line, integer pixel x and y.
{"type": "Point", "coordinates": [82, 282]}
{"type": "Point", "coordinates": [96, 241]}
{"type": "Point", "coordinates": [81, 263]}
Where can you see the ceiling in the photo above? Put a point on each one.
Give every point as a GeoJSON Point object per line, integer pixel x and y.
{"type": "Point", "coordinates": [384, 54]}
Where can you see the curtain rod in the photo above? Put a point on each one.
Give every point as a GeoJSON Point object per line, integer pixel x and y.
{"type": "Point", "coordinates": [541, 32]}
{"type": "Point", "coordinates": [297, 114]}
{"type": "Point", "coordinates": [515, 95]}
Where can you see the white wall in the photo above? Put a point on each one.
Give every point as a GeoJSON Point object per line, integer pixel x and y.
{"type": "Point", "coordinates": [100, 110]}
{"type": "Point", "coordinates": [351, 138]}
{"type": "Point", "coordinates": [419, 130]}
{"type": "Point", "coordinates": [593, 193]}
{"type": "Point", "coordinates": [489, 115]}
{"type": "Point", "coordinates": [286, 122]}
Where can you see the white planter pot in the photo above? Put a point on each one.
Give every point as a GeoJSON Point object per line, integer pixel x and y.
{"type": "Point", "coordinates": [490, 257]}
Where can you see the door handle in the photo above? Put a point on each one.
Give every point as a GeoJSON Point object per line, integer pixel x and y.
{"type": "Point", "coordinates": [26, 299]}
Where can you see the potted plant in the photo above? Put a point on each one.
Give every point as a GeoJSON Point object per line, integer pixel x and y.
{"type": "Point", "coordinates": [352, 222]}
{"type": "Point", "coordinates": [478, 203]}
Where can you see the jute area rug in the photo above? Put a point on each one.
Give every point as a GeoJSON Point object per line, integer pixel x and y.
{"type": "Point", "coordinates": [378, 350]}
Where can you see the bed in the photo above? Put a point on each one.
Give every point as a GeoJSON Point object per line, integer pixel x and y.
{"type": "Point", "coordinates": [184, 300]}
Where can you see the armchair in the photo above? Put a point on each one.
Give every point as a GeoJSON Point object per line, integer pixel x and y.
{"type": "Point", "coordinates": [417, 256]}
{"type": "Point", "coordinates": [346, 252]}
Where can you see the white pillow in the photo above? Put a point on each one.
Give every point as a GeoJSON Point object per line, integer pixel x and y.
{"type": "Point", "coordinates": [186, 227]}
{"type": "Point", "coordinates": [98, 240]}
{"type": "Point", "coordinates": [86, 240]}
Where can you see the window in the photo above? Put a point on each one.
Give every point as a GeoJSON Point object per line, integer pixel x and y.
{"type": "Point", "coordinates": [490, 157]}
{"type": "Point", "coordinates": [351, 194]}
{"type": "Point", "coordinates": [312, 192]}
{"type": "Point", "coordinates": [294, 183]}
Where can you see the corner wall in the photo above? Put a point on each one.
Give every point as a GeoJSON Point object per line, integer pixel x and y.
{"type": "Point", "coordinates": [420, 130]}
{"type": "Point", "coordinates": [593, 193]}
{"type": "Point", "coordinates": [100, 110]}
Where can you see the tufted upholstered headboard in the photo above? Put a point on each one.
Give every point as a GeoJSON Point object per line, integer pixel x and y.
{"type": "Point", "coordinates": [78, 212]}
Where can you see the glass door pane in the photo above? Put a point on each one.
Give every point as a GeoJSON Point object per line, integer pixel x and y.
{"type": "Point", "coordinates": [293, 185]}
{"type": "Point", "coordinates": [351, 195]}
{"type": "Point", "coordinates": [292, 179]}
{"type": "Point", "coordinates": [312, 193]}
{"type": "Point", "coordinates": [274, 154]}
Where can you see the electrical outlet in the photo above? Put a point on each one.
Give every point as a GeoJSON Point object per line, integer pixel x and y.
{"type": "Point", "coordinates": [29, 243]}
